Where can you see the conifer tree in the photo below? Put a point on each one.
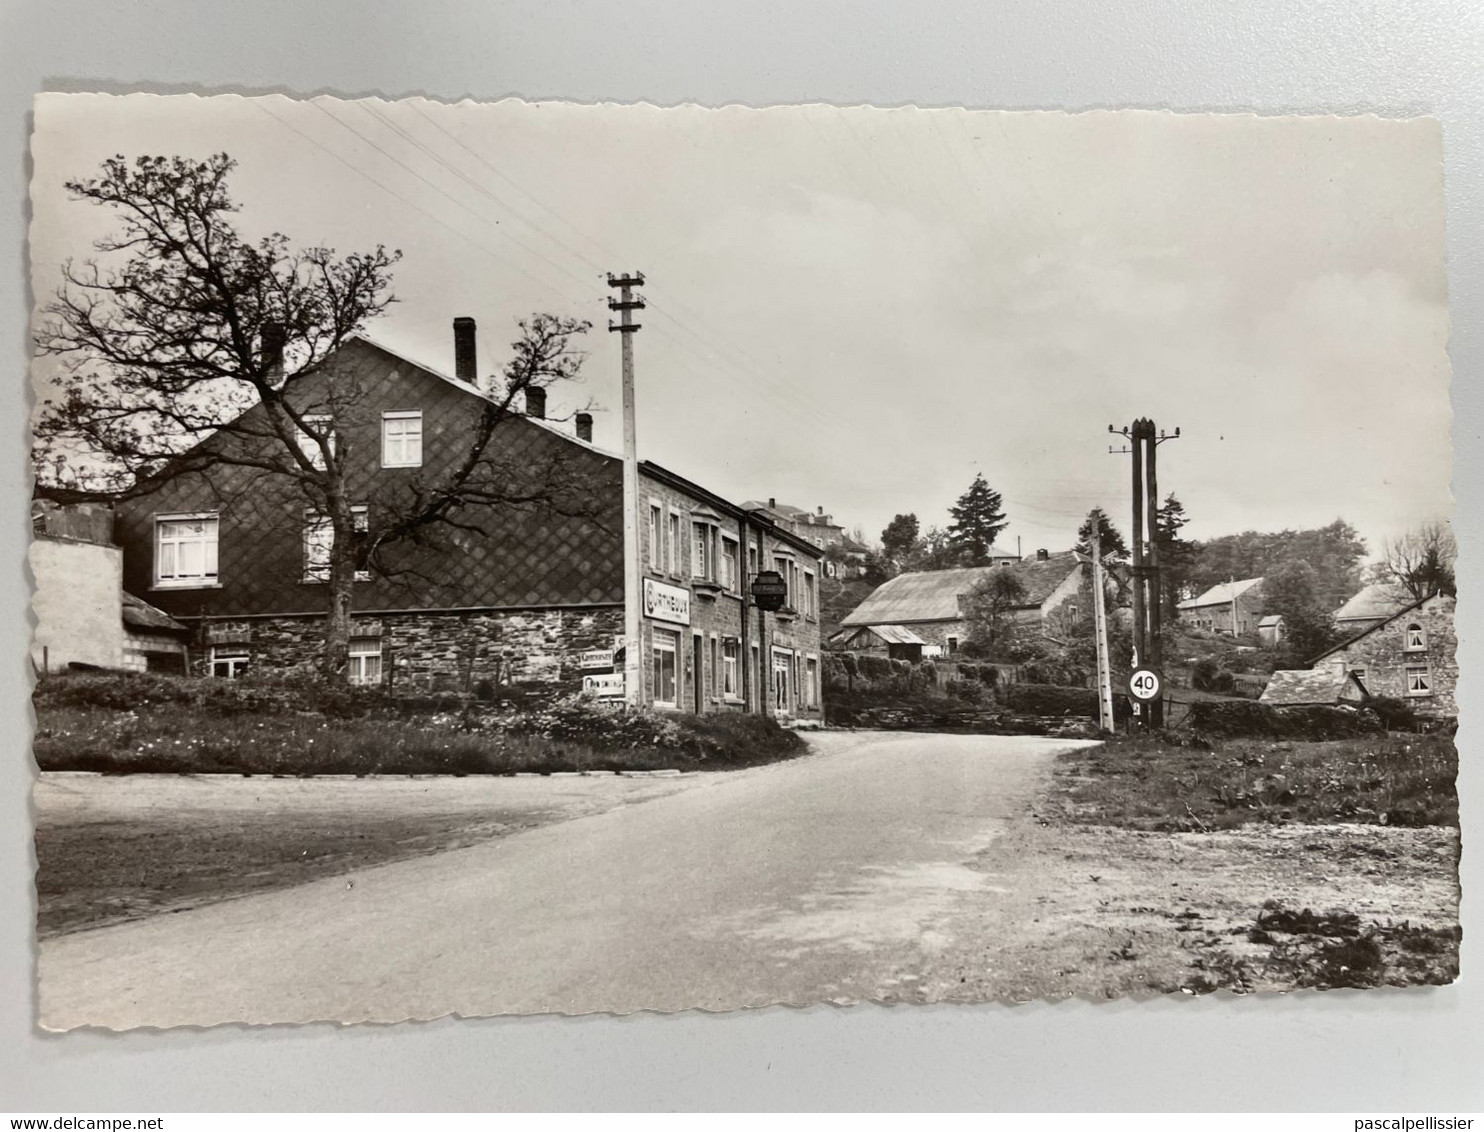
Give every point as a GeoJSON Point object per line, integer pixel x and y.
{"type": "Point", "coordinates": [977, 521]}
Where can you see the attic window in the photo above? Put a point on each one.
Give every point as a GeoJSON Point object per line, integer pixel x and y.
{"type": "Point", "coordinates": [1416, 638]}
{"type": "Point", "coordinates": [402, 439]}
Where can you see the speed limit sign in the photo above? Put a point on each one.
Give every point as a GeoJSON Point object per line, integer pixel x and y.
{"type": "Point", "coordinates": [1144, 683]}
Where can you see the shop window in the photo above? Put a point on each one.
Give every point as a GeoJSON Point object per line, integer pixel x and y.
{"type": "Point", "coordinates": [665, 653]}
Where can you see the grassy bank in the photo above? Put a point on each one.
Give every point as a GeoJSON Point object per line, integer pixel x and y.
{"type": "Point", "coordinates": [1150, 784]}
{"type": "Point", "coordinates": [143, 724]}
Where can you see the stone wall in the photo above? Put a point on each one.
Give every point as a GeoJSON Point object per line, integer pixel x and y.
{"type": "Point", "coordinates": [453, 651]}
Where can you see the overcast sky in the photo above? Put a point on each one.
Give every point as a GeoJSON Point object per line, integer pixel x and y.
{"type": "Point", "coordinates": [859, 309]}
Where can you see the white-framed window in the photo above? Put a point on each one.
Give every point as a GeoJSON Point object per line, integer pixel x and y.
{"type": "Point", "coordinates": [1416, 638]}
{"type": "Point", "coordinates": [752, 560]}
{"type": "Point", "coordinates": [785, 567]}
{"type": "Point", "coordinates": [755, 678]}
{"type": "Point", "coordinates": [701, 555]}
{"type": "Point", "coordinates": [228, 661]}
{"type": "Point", "coordinates": [731, 656]}
{"type": "Point", "coordinates": [665, 654]}
{"type": "Point", "coordinates": [186, 549]}
{"type": "Point", "coordinates": [365, 660]}
{"type": "Point", "coordinates": [656, 537]}
{"type": "Point", "coordinates": [727, 563]}
{"type": "Point", "coordinates": [811, 682]}
{"type": "Point", "coordinates": [316, 425]}
{"type": "Point", "coordinates": [1419, 680]}
{"type": "Point", "coordinates": [806, 594]}
{"type": "Point", "coordinates": [673, 544]}
{"type": "Point", "coordinates": [319, 541]}
{"type": "Point", "coordinates": [402, 439]}
{"type": "Point", "coordinates": [782, 681]}
{"type": "Point", "coordinates": [713, 677]}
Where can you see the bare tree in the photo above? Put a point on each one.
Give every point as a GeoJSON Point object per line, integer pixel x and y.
{"type": "Point", "coordinates": [190, 349]}
{"type": "Point", "coordinates": [1422, 560]}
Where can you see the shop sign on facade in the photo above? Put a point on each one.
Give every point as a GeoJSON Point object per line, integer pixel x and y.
{"type": "Point", "coordinates": [666, 603]}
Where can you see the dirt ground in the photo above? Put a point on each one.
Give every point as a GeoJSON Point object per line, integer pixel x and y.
{"type": "Point", "coordinates": [116, 848]}
{"type": "Point", "coordinates": [1105, 912]}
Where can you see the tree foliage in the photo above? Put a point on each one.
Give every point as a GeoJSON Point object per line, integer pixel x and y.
{"type": "Point", "coordinates": [989, 613]}
{"type": "Point", "coordinates": [1111, 546]}
{"type": "Point", "coordinates": [186, 349]}
{"type": "Point", "coordinates": [899, 537]}
{"type": "Point", "coordinates": [978, 518]}
{"type": "Point", "coordinates": [1334, 552]}
{"type": "Point", "coordinates": [1292, 590]}
{"type": "Point", "coordinates": [1177, 555]}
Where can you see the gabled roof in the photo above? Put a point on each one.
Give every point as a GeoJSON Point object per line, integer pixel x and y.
{"type": "Point", "coordinates": [646, 466]}
{"type": "Point", "coordinates": [1377, 627]}
{"type": "Point", "coordinates": [1375, 602]}
{"type": "Point", "coordinates": [1224, 594]}
{"type": "Point", "coordinates": [934, 595]}
{"type": "Point", "coordinates": [1296, 687]}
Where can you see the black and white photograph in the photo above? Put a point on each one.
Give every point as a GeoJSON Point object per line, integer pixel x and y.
{"type": "Point", "coordinates": [535, 557]}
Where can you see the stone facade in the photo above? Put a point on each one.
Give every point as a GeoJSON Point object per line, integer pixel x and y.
{"type": "Point", "coordinates": [1411, 656]}
{"type": "Point", "coordinates": [429, 650]}
{"type": "Point", "coordinates": [775, 657]}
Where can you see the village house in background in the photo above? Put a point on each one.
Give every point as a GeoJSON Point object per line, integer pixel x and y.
{"type": "Point", "coordinates": [1412, 656]}
{"type": "Point", "coordinates": [1371, 606]}
{"type": "Point", "coordinates": [930, 604]}
{"type": "Point", "coordinates": [819, 528]}
{"type": "Point", "coordinates": [532, 597]}
{"type": "Point", "coordinates": [1234, 608]}
{"type": "Point", "coordinates": [84, 617]}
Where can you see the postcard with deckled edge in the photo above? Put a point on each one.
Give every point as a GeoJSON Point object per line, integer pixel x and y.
{"type": "Point", "coordinates": [526, 558]}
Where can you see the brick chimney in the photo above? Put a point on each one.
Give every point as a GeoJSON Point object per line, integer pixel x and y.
{"type": "Point", "coordinates": [585, 427]}
{"type": "Point", "coordinates": [773, 503]}
{"type": "Point", "coordinates": [272, 338]}
{"type": "Point", "coordinates": [1043, 555]}
{"type": "Point", "coordinates": [536, 402]}
{"type": "Point", "coordinates": [465, 359]}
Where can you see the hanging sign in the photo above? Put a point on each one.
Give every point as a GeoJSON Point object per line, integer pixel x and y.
{"type": "Point", "coordinates": [769, 590]}
{"type": "Point", "coordinates": [666, 603]}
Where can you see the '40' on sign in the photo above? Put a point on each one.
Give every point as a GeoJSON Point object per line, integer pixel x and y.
{"type": "Point", "coordinates": [1144, 683]}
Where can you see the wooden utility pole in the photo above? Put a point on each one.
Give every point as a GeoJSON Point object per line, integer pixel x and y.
{"type": "Point", "coordinates": [626, 304]}
{"type": "Point", "coordinates": [1100, 633]}
{"type": "Point", "coordinates": [1148, 587]}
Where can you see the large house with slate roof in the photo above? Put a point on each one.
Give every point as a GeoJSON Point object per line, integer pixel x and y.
{"type": "Point", "coordinates": [931, 603]}
{"type": "Point", "coordinates": [519, 596]}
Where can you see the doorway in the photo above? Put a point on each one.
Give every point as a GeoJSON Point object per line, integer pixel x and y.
{"type": "Point", "coordinates": [698, 671]}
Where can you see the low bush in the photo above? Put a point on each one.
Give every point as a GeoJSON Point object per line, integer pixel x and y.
{"type": "Point", "coordinates": [1049, 699]}
{"type": "Point", "coordinates": [1247, 718]}
{"type": "Point", "coordinates": [217, 726]}
{"type": "Point", "coordinates": [1395, 715]}
{"type": "Point", "coordinates": [968, 691]}
{"type": "Point", "coordinates": [1208, 676]}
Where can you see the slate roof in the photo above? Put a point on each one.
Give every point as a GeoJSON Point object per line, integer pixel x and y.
{"type": "Point", "coordinates": [1271, 620]}
{"type": "Point", "coordinates": [895, 634]}
{"type": "Point", "coordinates": [141, 615]}
{"type": "Point", "coordinates": [1224, 594]}
{"type": "Point", "coordinates": [1294, 687]}
{"type": "Point", "coordinates": [1375, 603]}
{"type": "Point", "coordinates": [933, 595]}
{"type": "Point", "coordinates": [1375, 627]}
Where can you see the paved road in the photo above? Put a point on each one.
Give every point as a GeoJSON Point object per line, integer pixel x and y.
{"type": "Point", "coordinates": [825, 879]}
